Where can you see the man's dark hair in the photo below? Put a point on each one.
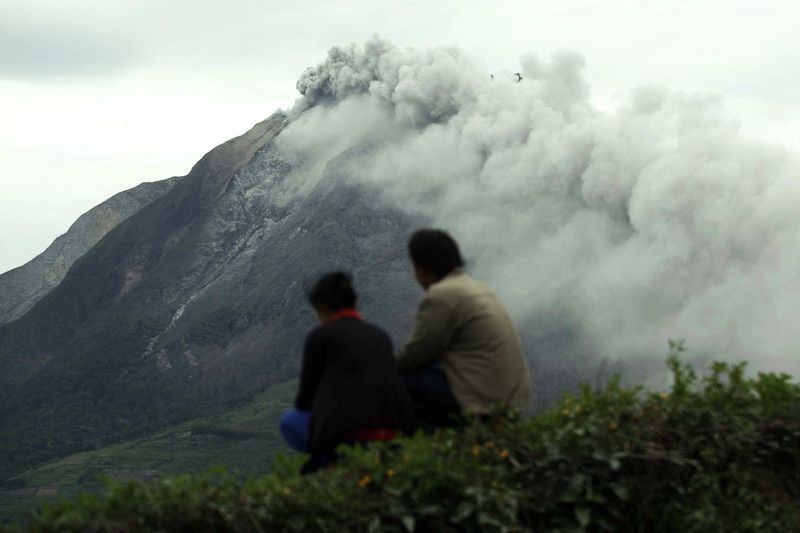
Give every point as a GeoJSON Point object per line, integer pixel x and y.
{"type": "Point", "coordinates": [434, 251]}
{"type": "Point", "coordinates": [333, 290]}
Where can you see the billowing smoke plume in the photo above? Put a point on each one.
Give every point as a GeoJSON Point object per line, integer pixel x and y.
{"type": "Point", "coordinates": [617, 231]}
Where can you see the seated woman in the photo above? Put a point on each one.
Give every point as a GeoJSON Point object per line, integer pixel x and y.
{"type": "Point", "coordinates": [350, 388]}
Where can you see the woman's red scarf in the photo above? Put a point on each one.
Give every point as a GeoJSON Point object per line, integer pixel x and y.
{"type": "Point", "coordinates": [347, 313]}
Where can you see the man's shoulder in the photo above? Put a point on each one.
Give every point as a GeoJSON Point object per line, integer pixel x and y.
{"type": "Point", "coordinates": [460, 285]}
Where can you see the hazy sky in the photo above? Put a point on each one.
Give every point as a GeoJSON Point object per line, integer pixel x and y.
{"type": "Point", "coordinates": [98, 96]}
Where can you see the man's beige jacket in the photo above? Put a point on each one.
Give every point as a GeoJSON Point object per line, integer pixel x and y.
{"type": "Point", "coordinates": [462, 326]}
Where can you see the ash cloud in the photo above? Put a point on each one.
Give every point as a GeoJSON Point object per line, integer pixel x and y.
{"type": "Point", "coordinates": [656, 221]}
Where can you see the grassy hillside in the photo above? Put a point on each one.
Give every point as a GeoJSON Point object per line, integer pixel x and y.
{"type": "Point", "coordinates": [717, 453]}
{"type": "Point", "coordinates": [244, 439]}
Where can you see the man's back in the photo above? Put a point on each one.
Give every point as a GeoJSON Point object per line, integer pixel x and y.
{"type": "Point", "coordinates": [462, 325]}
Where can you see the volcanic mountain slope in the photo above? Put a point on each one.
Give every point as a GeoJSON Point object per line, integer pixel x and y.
{"type": "Point", "coordinates": [195, 302]}
{"type": "Point", "coordinates": [22, 287]}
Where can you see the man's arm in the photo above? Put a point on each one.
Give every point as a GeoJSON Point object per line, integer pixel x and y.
{"type": "Point", "coordinates": [433, 329]}
{"type": "Point", "coordinates": [311, 374]}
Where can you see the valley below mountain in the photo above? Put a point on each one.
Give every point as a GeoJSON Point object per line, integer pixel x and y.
{"type": "Point", "coordinates": [242, 440]}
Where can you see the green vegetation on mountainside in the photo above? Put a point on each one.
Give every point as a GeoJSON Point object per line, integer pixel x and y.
{"type": "Point", "coordinates": [244, 439]}
{"type": "Point", "coordinates": [717, 453]}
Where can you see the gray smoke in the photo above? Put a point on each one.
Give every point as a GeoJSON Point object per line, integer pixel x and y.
{"type": "Point", "coordinates": [656, 221]}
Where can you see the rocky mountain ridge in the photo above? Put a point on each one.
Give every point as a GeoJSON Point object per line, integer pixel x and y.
{"type": "Point", "coordinates": [22, 287]}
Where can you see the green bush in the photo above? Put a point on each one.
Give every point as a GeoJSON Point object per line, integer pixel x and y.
{"type": "Point", "coordinates": [716, 453]}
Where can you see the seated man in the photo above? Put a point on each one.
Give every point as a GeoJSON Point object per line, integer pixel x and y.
{"type": "Point", "coordinates": [465, 355]}
{"type": "Point", "coordinates": [350, 389]}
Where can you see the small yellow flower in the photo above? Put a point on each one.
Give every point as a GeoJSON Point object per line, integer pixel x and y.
{"type": "Point", "coordinates": [489, 445]}
{"type": "Point", "coordinates": [612, 426]}
{"type": "Point", "coordinates": [364, 481]}
{"type": "Point", "coordinates": [565, 412]}
{"type": "Point", "coordinates": [391, 472]}
{"type": "Point", "coordinates": [664, 395]}
{"type": "Point", "coordinates": [578, 408]}
{"type": "Point", "coordinates": [476, 450]}
{"type": "Point", "coordinates": [503, 454]}
{"type": "Point", "coordinates": [287, 491]}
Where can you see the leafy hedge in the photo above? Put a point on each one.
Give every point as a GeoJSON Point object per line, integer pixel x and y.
{"type": "Point", "coordinates": [716, 453]}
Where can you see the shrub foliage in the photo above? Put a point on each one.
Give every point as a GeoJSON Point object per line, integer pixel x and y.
{"type": "Point", "coordinates": [719, 452]}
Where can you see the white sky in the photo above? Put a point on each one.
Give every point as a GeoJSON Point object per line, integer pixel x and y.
{"type": "Point", "coordinates": [97, 96]}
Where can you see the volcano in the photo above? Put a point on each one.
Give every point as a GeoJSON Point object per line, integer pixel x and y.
{"type": "Point", "coordinates": [193, 302]}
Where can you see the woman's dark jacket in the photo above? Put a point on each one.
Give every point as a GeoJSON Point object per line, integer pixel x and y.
{"type": "Point", "coordinates": [349, 382]}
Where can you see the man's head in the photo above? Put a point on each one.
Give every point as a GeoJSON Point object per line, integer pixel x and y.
{"type": "Point", "coordinates": [434, 255]}
{"type": "Point", "coordinates": [332, 293]}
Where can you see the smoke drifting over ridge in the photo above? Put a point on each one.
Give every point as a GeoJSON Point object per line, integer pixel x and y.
{"type": "Point", "coordinates": [654, 222]}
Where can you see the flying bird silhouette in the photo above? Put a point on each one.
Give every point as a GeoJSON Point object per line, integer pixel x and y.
{"type": "Point", "coordinates": [519, 76]}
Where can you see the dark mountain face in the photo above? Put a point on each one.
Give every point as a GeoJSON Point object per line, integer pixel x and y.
{"type": "Point", "coordinates": [195, 302]}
